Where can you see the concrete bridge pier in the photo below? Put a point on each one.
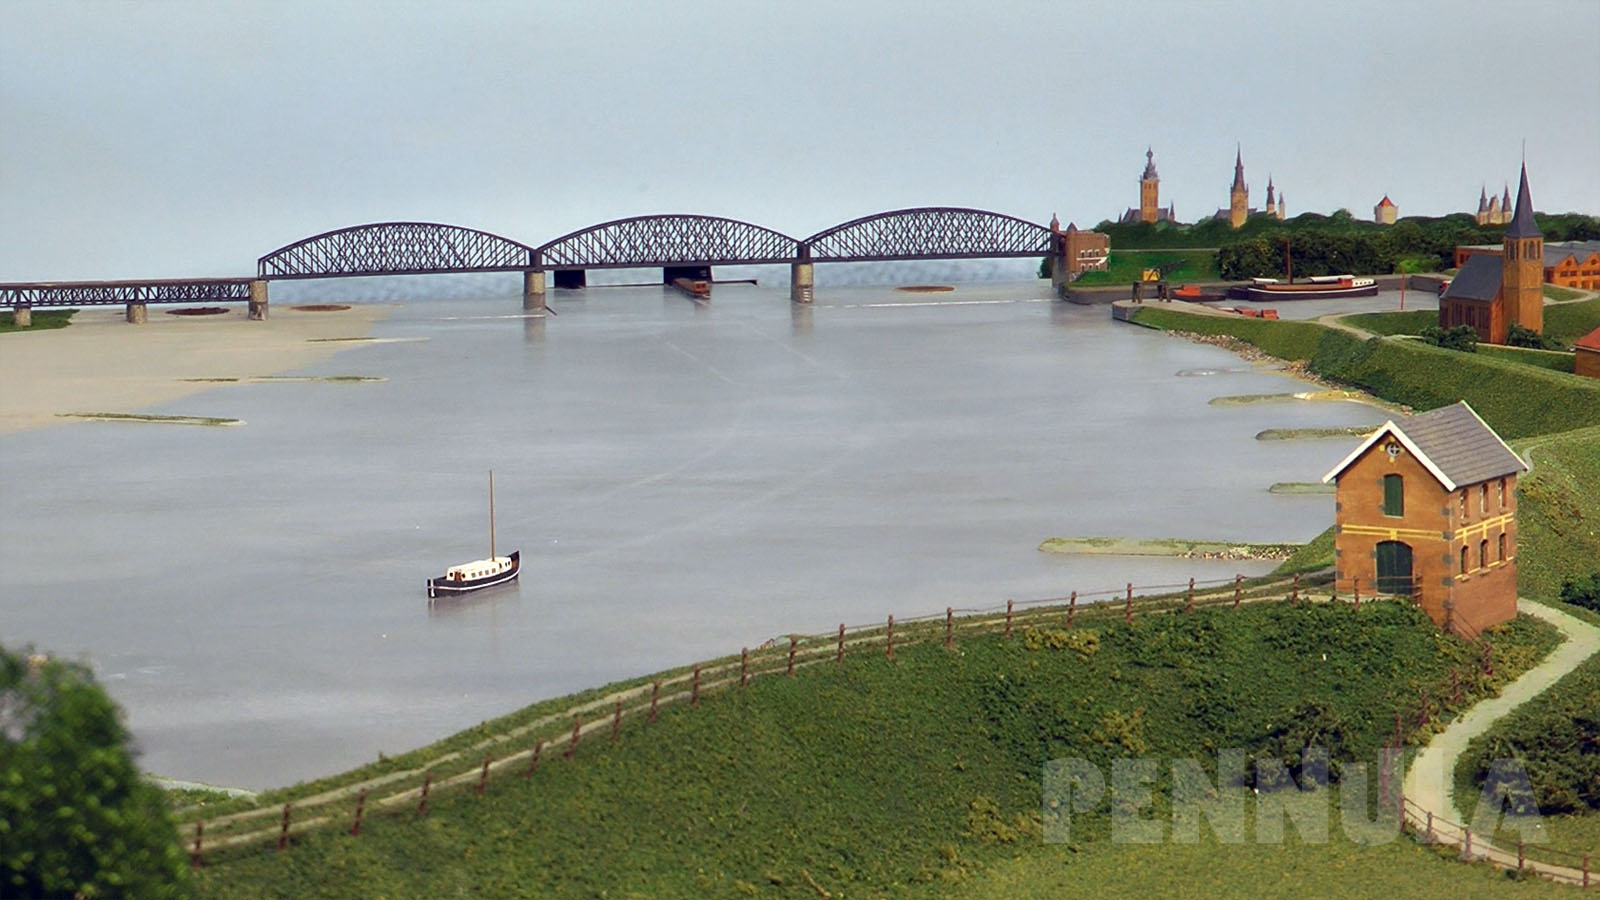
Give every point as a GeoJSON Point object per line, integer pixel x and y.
{"type": "Point", "coordinates": [258, 300]}
{"type": "Point", "coordinates": [22, 316]}
{"type": "Point", "coordinates": [533, 289]}
{"type": "Point", "coordinates": [137, 314]}
{"type": "Point", "coordinates": [802, 282]}
{"type": "Point", "coordinates": [1059, 277]}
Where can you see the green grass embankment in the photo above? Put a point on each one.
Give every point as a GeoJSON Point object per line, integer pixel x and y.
{"type": "Point", "coordinates": [1516, 400]}
{"type": "Point", "coordinates": [885, 777]}
{"type": "Point", "coordinates": [1564, 323]}
{"type": "Point", "coordinates": [43, 320]}
{"type": "Point", "coordinates": [1127, 266]}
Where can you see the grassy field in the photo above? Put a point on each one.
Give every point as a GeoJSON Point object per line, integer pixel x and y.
{"type": "Point", "coordinates": [1566, 322]}
{"type": "Point", "coordinates": [1412, 373]}
{"type": "Point", "coordinates": [44, 319]}
{"type": "Point", "coordinates": [1386, 323]}
{"type": "Point", "coordinates": [1126, 266]}
{"type": "Point", "coordinates": [881, 777]}
{"type": "Point", "coordinates": [1561, 294]}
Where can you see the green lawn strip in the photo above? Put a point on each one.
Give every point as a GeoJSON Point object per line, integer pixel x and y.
{"type": "Point", "coordinates": [43, 320]}
{"type": "Point", "coordinates": [1566, 322]}
{"type": "Point", "coordinates": [1313, 556]}
{"type": "Point", "coordinates": [1127, 266]}
{"type": "Point", "coordinates": [1554, 360]}
{"type": "Point", "coordinates": [1367, 866]}
{"type": "Point", "coordinates": [875, 775]}
{"type": "Point", "coordinates": [1386, 323]}
{"type": "Point", "coordinates": [1301, 487]}
{"type": "Point", "coordinates": [1558, 511]}
{"type": "Point", "coordinates": [1179, 547]}
{"type": "Point", "coordinates": [1561, 294]}
{"type": "Point", "coordinates": [1300, 434]}
{"type": "Point", "coordinates": [1515, 400]}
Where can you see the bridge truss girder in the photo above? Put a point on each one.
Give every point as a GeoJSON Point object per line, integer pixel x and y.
{"type": "Point", "coordinates": [117, 293]}
{"type": "Point", "coordinates": [929, 232]}
{"type": "Point", "coordinates": [396, 248]}
{"type": "Point", "coordinates": [669, 240]}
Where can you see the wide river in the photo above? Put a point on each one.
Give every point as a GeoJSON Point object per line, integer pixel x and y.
{"type": "Point", "coordinates": [682, 479]}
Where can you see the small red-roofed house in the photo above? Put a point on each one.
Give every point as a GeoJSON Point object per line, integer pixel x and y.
{"type": "Point", "coordinates": [1588, 350]}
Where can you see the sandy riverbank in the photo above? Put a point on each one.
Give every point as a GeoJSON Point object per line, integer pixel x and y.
{"type": "Point", "coordinates": [102, 364]}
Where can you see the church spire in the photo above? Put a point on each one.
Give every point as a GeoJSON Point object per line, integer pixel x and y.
{"type": "Point", "coordinates": [1238, 169]}
{"type": "Point", "coordinates": [1149, 164]}
{"type": "Point", "coordinates": [1522, 223]}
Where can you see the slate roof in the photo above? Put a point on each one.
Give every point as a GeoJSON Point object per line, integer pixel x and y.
{"type": "Point", "coordinates": [1555, 254]}
{"type": "Point", "coordinates": [1478, 279]}
{"type": "Point", "coordinates": [1522, 224]}
{"type": "Point", "coordinates": [1451, 442]}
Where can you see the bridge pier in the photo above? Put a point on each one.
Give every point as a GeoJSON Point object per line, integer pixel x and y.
{"type": "Point", "coordinates": [533, 289]}
{"type": "Point", "coordinates": [22, 316]}
{"type": "Point", "coordinates": [258, 300]}
{"type": "Point", "coordinates": [137, 314]}
{"type": "Point", "coordinates": [570, 278]}
{"type": "Point", "coordinates": [1059, 276]}
{"type": "Point", "coordinates": [802, 282]}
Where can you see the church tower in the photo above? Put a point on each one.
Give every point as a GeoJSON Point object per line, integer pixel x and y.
{"type": "Point", "coordinates": [1149, 189]}
{"type": "Point", "coordinates": [1505, 207]}
{"type": "Point", "coordinates": [1483, 206]}
{"type": "Point", "coordinates": [1522, 264]}
{"type": "Point", "coordinates": [1272, 207]}
{"type": "Point", "coordinates": [1239, 196]}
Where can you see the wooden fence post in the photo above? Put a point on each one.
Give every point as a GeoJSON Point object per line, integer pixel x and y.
{"type": "Point", "coordinates": [533, 761]}
{"type": "Point", "coordinates": [1455, 686]}
{"type": "Point", "coordinates": [1008, 618]}
{"type": "Point", "coordinates": [792, 641]}
{"type": "Point", "coordinates": [1294, 596]}
{"type": "Point", "coordinates": [1238, 585]}
{"type": "Point", "coordinates": [283, 833]}
{"type": "Point", "coordinates": [361, 807]}
{"type": "Point", "coordinates": [838, 659]}
{"type": "Point", "coordinates": [1427, 837]}
{"type": "Point", "coordinates": [694, 689]}
{"type": "Point", "coordinates": [744, 666]}
{"type": "Point", "coordinates": [655, 694]}
{"type": "Point", "coordinates": [1521, 857]}
{"type": "Point", "coordinates": [1127, 609]}
{"type": "Point", "coordinates": [890, 651]}
{"type": "Point", "coordinates": [949, 624]}
{"type": "Point", "coordinates": [1188, 603]}
{"type": "Point", "coordinates": [1422, 714]}
{"type": "Point", "coordinates": [616, 722]}
{"type": "Point", "coordinates": [1072, 607]}
{"type": "Point", "coordinates": [1466, 845]}
{"type": "Point", "coordinates": [483, 777]}
{"type": "Point", "coordinates": [1585, 863]}
{"type": "Point", "coordinates": [196, 860]}
{"type": "Point", "coordinates": [1356, 582]}
{"type": "Point", "coordinates": [422, 805]}
{"type": "Point", "coordinates": [577, 733]}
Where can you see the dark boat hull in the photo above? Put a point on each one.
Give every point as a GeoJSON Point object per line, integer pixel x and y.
{"type": "Point", "coordinates": [439, 587]}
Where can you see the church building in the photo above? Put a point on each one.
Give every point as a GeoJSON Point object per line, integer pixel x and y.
{"type": "Point", "coordinates": [1149, 197]}
{"type": "Point", "coordinates": [1239, 210]}
{"type": "Point", "coordinates": [1493, 292]}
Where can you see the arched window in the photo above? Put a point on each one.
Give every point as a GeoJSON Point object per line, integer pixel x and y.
{"type": "Point", "coordinates": [1502, 493]}
{"type": "Point", "coordinates": [1502, 546]}
{"type": "Point", "coordinates": [1463, 560]}
{"type": "Point", "coordinates": [1483, 554]}
{"type": "Point", "coordinates": [1394, 498]}
{"type": "Point", "coordinates": [1483, 498]}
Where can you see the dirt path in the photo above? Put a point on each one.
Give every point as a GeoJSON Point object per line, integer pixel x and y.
{"type": "Point", "coordinates": [1430, 779]}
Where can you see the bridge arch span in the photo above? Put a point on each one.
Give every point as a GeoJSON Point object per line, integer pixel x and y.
{"type": "Point", "coordinates": [929, 232]}
{"type": "Point", "coordinates": [668, 240]}
{"type": "Point", "coordinates": [396, 248]}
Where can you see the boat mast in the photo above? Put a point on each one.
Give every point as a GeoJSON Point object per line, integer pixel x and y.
{"type": "Point", "coordinates": [491, 515]}
{"type": "Point", "coordinates": [1288, 264]}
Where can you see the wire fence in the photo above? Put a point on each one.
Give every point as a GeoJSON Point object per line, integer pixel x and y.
{"type": "Point", "coordinates": [519, 752]}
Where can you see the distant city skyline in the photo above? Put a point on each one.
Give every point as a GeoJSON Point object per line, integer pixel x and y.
{"type": "Point", "coordinates": [186, 139]}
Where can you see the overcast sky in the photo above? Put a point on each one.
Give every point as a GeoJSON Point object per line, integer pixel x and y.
{"type": "Point", "coordinates": [170, 139]}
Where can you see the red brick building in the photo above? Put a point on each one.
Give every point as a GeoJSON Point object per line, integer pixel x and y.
{"type": "Point", "coordinates": [1587, 349]}
{"type": "Point", "coordinates": [1492, 293]}
{"type": "Point", "coordinates": [1427, 507]}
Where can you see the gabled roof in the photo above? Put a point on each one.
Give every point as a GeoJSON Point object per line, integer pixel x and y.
{"type": "Point", "coordinates": [1451, 442]}
{"type": "Point", "coordinates": [1590, 341]}
{"type": "Point", "coordinates": [1385, 201]}
{"type": "Point", "coordinates": [1478, 279]}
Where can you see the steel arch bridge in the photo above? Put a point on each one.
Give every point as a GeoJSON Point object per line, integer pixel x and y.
{"type": "Point", "coordinates": [396, 248]}
{"type": "Point", "coordinates": [929, 232]}
{"type": "Point", "coordinates": [668, 240]}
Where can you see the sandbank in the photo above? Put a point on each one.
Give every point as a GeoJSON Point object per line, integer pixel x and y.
{"type": "Point", "coordinates": [101, 364]}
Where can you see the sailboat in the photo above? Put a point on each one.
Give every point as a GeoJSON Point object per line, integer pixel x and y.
{"type": "Point", "coordinates": [480, 573]}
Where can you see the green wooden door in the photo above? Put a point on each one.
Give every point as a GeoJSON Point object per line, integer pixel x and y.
{"type": "Point", "coordinates": [1394, 568]}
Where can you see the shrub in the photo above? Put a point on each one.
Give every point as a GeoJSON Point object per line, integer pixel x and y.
{"type": "Point", "coordinates": [1461, 337]}
{"type": "Point", "coordinates": [1582, 591]}
{"type": "Point", "coordinates": [1519, 336]}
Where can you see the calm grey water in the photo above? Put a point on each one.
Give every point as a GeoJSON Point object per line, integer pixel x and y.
{"type": "Point", "coordinates": [682, 480]}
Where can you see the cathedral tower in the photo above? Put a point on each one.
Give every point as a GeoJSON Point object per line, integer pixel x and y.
{"type": "Point", "coordinates": [1522, 265]}
{"type": "Point", "coordinates": [1239, 196]}
{"type": "Point", "coordinates": [1149, 189]}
